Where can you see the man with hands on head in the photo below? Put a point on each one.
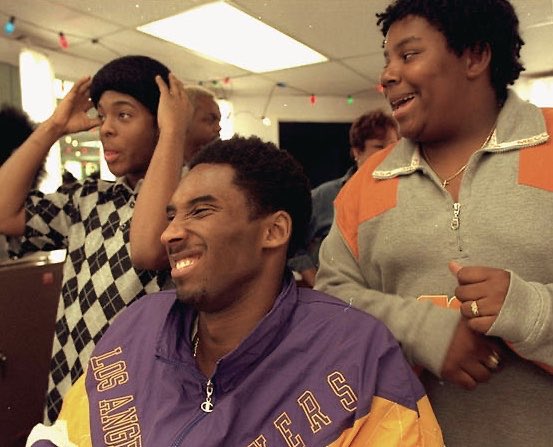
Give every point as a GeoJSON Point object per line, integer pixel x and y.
{"type": "Point", "coordinates": [459, 207]}
{"type": "Point", "coordinates": [91, 219]}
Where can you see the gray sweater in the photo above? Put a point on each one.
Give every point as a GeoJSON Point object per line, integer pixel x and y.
{"type": "Point", "coordinates": [395, 231]}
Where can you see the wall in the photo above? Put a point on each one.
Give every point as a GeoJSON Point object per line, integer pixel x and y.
{"type": "Point", "coordinates": [537, 91]}
{"type": "Point", "coordinates": [10, 92]}
{"type": "Point", "coordinates": [248, 111]}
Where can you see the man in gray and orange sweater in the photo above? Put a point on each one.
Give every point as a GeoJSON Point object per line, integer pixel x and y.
{"type": "Point", "coordinates": [460, 207]}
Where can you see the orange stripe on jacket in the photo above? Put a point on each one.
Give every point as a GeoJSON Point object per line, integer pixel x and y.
{"type": "Point", "coordinates": [536, 163]}
{"type": "Point", "coordinates": [392, 425]}
{"type": "Point", "coordinates": [366, 198]}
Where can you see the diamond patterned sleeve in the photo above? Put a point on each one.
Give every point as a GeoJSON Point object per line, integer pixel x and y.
{"type": "Point", "coordinates": [48, 218]}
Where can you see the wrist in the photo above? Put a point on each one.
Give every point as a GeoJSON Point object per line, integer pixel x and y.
{"type": "Point", "coordinates": [50, 130]}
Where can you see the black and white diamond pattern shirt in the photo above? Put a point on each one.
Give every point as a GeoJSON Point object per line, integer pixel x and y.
{"type": "Point", "coordinates": [91, 221]}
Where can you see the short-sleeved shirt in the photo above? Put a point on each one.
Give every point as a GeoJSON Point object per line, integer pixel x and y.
{"type": "Point", "coordinates": [92, 221]}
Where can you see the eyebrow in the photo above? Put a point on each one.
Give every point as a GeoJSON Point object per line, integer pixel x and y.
{"type": "Point", "coordinates": [402, 43]}
{"type": "Point", "coordinates": [118, 103]}
{"type": "Point", "coordinates": [208, 198]}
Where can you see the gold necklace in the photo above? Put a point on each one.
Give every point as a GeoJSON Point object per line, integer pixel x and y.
{"type": "Point", "coordinates": [448, 180]}
{"type": "Point", "coordinates": [195, 349]}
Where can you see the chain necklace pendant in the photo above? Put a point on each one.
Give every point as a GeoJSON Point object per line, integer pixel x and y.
{"type": "Point", "coordinates": [446, 181]}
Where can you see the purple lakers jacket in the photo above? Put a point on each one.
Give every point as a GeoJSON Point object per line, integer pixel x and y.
{"type": "Point", "coordinates": [314, 372]}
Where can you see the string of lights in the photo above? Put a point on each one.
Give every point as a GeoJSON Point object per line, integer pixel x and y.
{"type": "Point", "coordinates": [221, 85]}
{"type": "Point", "coordinates": [10, 27]}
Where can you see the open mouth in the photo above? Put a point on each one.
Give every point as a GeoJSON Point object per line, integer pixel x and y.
{"type": "Point", "coordinates": [183, 263]}
{"type": "Point", "coordinates": [180, 264]}
{"type": "Point", "coordinates": [110, 156]}
{"type": "Point", "coordinates": [397, 103]}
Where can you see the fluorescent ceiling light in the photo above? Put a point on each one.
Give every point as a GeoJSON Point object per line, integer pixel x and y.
{"type": "Point", "coordinates": [220, 31]}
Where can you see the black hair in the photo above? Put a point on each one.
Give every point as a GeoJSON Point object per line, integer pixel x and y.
{"type": "Point", "coordinates": [272, 179]}
{"type": "Point", "coordinates": [469, 24]}
{"type": "Point", "coordinates": [374, 124]}
{"type": "Point", "coordinates": [131, 75]}
{"type": "Point", "coordinates": [15, 128]}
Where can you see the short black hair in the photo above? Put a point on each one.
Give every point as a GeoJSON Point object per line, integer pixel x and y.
{"type": "Point", "coordinates": [373, 124]}
{"type": "Point", "coordinates": [132, 75]}
{"type": "Point", "coordinates": [469, 24]}
{"type": "Point", "coordinates": [272, 179]}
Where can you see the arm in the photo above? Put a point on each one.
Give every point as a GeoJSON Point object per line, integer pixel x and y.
{"type": "Point", "coordinates": [519, 312]}
{"type": "Point", "coordinates": [429, 336]}
{"type": "Point", "coordinates": [18, 172]}
{"type": "Point", "coordinates": [162, 178]}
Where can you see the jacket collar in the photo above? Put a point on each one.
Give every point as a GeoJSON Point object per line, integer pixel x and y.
{"type": "Point", "coordinates": [519, 124]}
{"type": "Point", "coordinates": [174, 342]}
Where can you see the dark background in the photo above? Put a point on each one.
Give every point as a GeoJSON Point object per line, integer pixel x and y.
{"type": "Point", "coordinates": [322, 148]}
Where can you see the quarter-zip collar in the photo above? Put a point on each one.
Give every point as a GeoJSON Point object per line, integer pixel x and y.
{"type": "Point", "coordinates": [513, 131]}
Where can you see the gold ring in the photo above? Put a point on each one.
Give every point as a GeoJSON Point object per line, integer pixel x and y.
{"type": "Point", "coordinates": [493, 360]}
{"type": "Point", "coordinates": [474, 309]}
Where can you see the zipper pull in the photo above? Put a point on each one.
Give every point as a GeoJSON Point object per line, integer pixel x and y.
{"type": "Point", "coordinates": [455, 220]}
{"type": "Point", "coordinates": [207, 405]}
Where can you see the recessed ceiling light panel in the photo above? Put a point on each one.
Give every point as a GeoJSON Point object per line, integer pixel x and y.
{"type": "Point", "coordinates": [223, 32]}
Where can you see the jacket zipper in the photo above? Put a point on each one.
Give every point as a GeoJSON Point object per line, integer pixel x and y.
{"type": "Point", "coordinates": [206, 406]}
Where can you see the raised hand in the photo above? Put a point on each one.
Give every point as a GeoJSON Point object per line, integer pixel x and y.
{"type": "Point", "coordinates": [71, 115]}
{"type": "Point", "coordinates": [175, 110]}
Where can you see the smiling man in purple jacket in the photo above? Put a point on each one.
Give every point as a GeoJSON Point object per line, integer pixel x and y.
{"type": "Point", "coordinates": [237, 355]}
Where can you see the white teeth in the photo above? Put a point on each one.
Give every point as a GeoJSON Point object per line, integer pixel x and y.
{"type": "Point", "coordinates": [184, 263]}
{"type": "Point", "coordinates": [395, 104]}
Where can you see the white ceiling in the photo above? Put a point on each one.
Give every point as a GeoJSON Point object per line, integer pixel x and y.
{"type": "Point", "coordinates": [343, 30]}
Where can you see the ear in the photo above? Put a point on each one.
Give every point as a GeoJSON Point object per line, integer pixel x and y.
{"type": "Point", "coordinates": [278, 230]}
{"type": "Point", "coordinates": [355, 153]}
{"type": "Point", "coordinates": [478, 60]}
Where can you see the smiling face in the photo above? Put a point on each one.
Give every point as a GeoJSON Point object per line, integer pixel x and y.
{"type": "Point", "coordinates": [128, 133]}
{"type": "Point", "coordinates": [423, 80]}
{"type": "Point", "coordinates": [213, 245]}
{"type": "Point", "coordinates": [205, 125]}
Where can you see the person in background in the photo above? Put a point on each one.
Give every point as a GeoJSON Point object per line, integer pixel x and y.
{"type": "Point", "coordinates": [166, 169]}
{"type": "Point", "coordinates": [446, 237]}
{"type": "Point", "coordinates": [141, 108]}
{"type": "Point", "coordinates": [238, 355]}
{"type": "Point", "coordinates": [15, 128]}
{"type": "Point", "coordinates": [368, 134]}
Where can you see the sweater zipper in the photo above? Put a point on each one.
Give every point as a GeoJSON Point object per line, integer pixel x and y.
{"type": "Point", "coordinates": [455, 222]}
{"type": "Point", "coordinates": [206, 406]}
